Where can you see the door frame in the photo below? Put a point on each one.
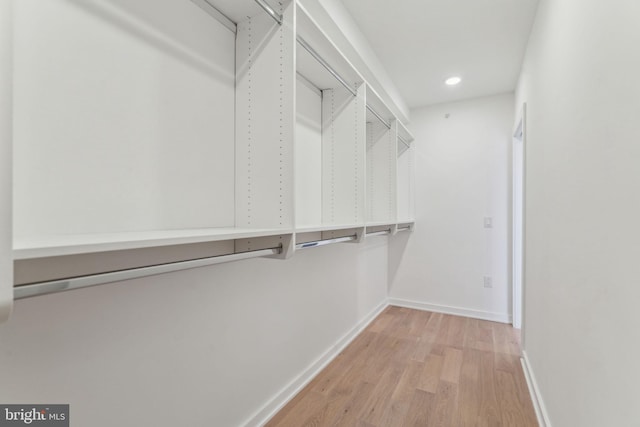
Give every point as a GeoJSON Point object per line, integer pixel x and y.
{"type": "Point", "coordinates": [518, 213]}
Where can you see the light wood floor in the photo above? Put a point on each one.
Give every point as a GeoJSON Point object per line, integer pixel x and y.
{"type": "Point", "coordinates": [416, 368]}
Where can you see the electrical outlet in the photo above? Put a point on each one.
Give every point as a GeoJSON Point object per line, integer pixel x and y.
{"type": "Point", "coordinates": [487, 282]}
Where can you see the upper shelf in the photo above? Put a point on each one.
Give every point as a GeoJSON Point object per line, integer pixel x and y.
{"type": "Point", "coordinates": [404, 139]}
{"type": "Point", "coordinates": [312, 229]}
{"type": "Point", "coordinates": [404, 133]}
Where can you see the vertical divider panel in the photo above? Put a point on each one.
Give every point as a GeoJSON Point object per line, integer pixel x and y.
{"type": "Point", "coordinates": [265, 120]}
{"type": "Point", "coordinates": [343, 156]}
{"type": "Point", "coordinates": [6, 175]}
{"type": "Point", "coordinates": [308, 153]}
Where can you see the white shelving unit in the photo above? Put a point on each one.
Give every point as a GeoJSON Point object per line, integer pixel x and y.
{"type": "Point", "coordinates": [381, 165]}
{"type": "Point", "coordinates": [188, 130]}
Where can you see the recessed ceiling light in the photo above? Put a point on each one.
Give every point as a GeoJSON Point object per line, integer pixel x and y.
{"type": "Point", "coordinates": [452, 81]}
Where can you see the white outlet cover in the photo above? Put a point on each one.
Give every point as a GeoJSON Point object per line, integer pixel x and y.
{"type": "Point", "coordinates": [487, 282]}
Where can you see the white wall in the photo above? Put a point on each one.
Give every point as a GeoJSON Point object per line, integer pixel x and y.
{"type": "Point", "coordinates": [462, 176]}
{"type": "Point", "coordinates": [206, 347]}
{"type": "Point", "coordinates": [134, 102]}
{"type": "Point", "coordinates": [582, 289]}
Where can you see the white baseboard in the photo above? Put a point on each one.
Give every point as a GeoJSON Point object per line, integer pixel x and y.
{"type": "Point", "coordinates": [295, 386]}
{"type": "Point", "coordinates": [534, 391]}
{"type": "Point", "coordinates": [457, 311]}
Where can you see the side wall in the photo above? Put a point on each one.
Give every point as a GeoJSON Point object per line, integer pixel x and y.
{"type": "Point", "coordinates": [463, 158]}
{"type": "Point", "coordinates": [6, 167]}
{"type": "Point", "coordinates": [582, 209]}
{"type": "Point", "coordinates": [216, 344]}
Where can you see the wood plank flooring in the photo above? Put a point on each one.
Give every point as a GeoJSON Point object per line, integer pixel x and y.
{"type": "Point", "coordinates": [417, 368]}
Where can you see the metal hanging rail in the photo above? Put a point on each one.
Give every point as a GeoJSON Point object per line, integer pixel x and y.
{"type": "Point", "coordinates": [55, 286]}
{"type": "Point", "coordinates": [379, 117]}
{"type": "Point", "coordinates": [404, 229]}
{"type": "Point", "coordinates": [379, 233]}
{"type": "Point", "coordinates": [325, 242]}
{"type": "Point", "coordinates": [325, 64]}
{"type": "Point", "coordinates": [271, 11]}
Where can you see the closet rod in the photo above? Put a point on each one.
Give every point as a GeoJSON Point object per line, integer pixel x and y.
{"type": "Point", "coordinates": [43, 288]}
{"type": "Point", "coordinates": [404, 229]}
{"type": "Point", "coordinates": [308, 48]}
{"type": "Point", "coordinates": [325, 64]}
{"type": "Point", "coordinates": [375, 113]}
{"type": "Point", "coordinates": [275, 15]}
{"type": "Point", "coordinates": [325, 242]}
{"type": "Point", "coordinates": [379, 233]}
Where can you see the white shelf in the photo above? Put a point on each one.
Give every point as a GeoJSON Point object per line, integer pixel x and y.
{"type": "Point", "coordinates": [242, 147]}
{"type": "Point", "coordinates": [48, 246]}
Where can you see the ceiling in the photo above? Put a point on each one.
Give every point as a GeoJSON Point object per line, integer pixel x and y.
{"type": "Point", "coordinates": [423, 42]}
